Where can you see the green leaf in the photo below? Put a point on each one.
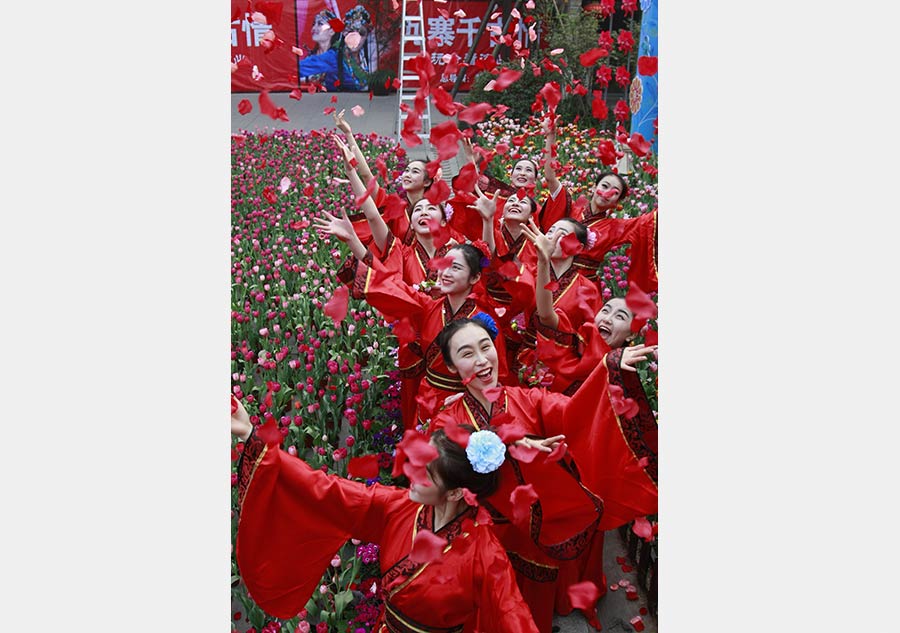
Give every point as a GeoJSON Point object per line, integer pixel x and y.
{"type": "Point", "coordinates": [341, 600]}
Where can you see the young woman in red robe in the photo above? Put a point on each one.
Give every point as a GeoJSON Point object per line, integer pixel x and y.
{"type": "Point", "coordinates": [426, 236]}
{"type": "Point", "coordinates": [564, 513]}
{"type": "Point", "coordinates": [293, 519]}
{"type": "Point", "coordinates": [425, 380]}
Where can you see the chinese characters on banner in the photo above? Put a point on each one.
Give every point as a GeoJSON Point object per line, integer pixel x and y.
{"type": "Point", "coordinates": [370, 40]}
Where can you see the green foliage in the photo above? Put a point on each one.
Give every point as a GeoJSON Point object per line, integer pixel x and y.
{"type": "Point", "coordinates": [519, 96]}
{"type": "Point", "coordinates": [379, 78]}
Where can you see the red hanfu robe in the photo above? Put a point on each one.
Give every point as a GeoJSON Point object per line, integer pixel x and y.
{"type": "Point", "coordinates": [422, 366]}
{"type": "Point", "coordinates": [622, 467]}
{"type": "Point", "coordinates": [614, 232]}
{"type": "Point", "coordinates": [575, 298]}
{"type": "Point", "coordinates": [569, 355]}
{"type": "Point", "coordinates": [554, 208]}
{"type": "Point", "coordinates": [294, 518]}
{"type": "Point", "coordinates": [566, 513]}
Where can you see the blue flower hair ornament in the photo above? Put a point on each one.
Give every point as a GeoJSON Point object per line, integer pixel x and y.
{"type": "Point", "coordinates": [488, 322]}
{"type": "Point", "coordinates": [486, 451]}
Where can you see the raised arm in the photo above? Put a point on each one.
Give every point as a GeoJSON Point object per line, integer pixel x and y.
{"type": "Point", "coordinates": [544, 247]}
{"type": "Point", "coordinates": [377, 225]}
{"type": "Point", "coordinates": [487, 208]}
{"type": "Point", "coordinates": [363, 169]}
{"type": "Point", "coordinates": [549, 129]}
{"type": "Point", "coordinates": [341, 228]}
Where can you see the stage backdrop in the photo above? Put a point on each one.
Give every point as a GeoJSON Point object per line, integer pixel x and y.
{"type": "Point", "coordinates": [302, 51]}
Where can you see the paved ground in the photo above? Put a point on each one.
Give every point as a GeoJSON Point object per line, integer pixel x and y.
{"type": "Point", "coordinates": [615, 611]}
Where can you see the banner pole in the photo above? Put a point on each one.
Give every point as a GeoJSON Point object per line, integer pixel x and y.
{"type": "Point", "coordinates": [471, 53]}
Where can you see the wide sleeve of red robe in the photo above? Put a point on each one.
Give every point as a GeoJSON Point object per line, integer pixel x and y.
{"type": "Point", "coordinates": [616, 452]}
{"type": "Point", "coordinates": [642, 234]}
{"type": "Point", "coordinates": [554, 208]}
{"type": "Point", "coordinates": [294, 518]}
{"type": "Point", "coordinates": [292, 521]}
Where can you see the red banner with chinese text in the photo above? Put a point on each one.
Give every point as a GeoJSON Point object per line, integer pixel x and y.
{"type": "Point", "coordinates": [370, 40]}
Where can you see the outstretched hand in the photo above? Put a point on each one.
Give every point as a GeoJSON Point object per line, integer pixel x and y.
{"type": "Point", "coordinates": [340, 227]}
{"type": "Point", "coordinates": [485, 206]}
{"type": "Point", "coordinates": [345, 150]}
{"type": "Point", "coordinates": [545, 445]}
{"type": "Point", "coordinates": [543, 245]}
{"type": "Point", "coordinates": [341, 123]}
{"type": "Point", "coordinates": [631, 356]}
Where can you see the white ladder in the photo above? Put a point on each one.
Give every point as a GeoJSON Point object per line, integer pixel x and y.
{"type": "Point", "coordinates": [412, 29]}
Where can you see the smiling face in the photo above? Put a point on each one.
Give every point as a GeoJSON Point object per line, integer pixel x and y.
{"type": "Point", "coordinates": [415, 177]}
{"type": "Point", "coordinates": [472, 353]}
{"type": "Point", "coordinates": [613, 321]}
{"type": "Point", "coordinates": [606, 194]}
{"type": "Point", "coordinates": [457, 278]}
{"type": "Point", "coordinates": [517, 209]}
{"type": "Point", "coordinates": [423, 214]}
{"type": "Point", "coordinates": [523, 174]}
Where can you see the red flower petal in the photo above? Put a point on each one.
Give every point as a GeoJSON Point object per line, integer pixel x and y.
{"type": "Point", "coordinates": [639, 145]}
{"type": "Point", "coordinates": [394, 207]}
{"type": "Point", "coordinates": [457, 434]}
{"type": "Point", "coordinates": [651, 337]}
{"type": "Point", "coordinates": [427, 547]}
{"type": "Point", "coordinates": [370, 187]}
{"type": "Point", "coordinates": [417, 449]}
{"type": "Point", "coordinates": [404, 331]}
{"type": "Point", "coordinates": [570, 245]}
{"type": "Point", "coordinates": [583, 595]}
{"type": "Point", "coordinates": [642, 528]}
{"type": "Point", "coordinates": [507, 77]}
{"type": "Point", "coordinates": [467, 178]}
{"type": "Point", "coordinates": [525, 454]}
{"type": "Point", "coordinates": [647, 65]}
{"type": "Point", "coordinates": [622, 406]}
{"type": "Point", "coordinates": [509, 432]}
{"type": "Point", "coordinates": [522, 499]}
{"type": "Point", "coordinates": [445, 139]}
{"type": "Point", "coordinates": [557, 453]}
{"type": "Point", "coordinates": [444, 102]}
{"type": "Point", "coordinates": [579, 206]}
{"type": "Point", "coordinates": [269, 109]}
{"type": "Point", "coordinates": [606, 151]}
{"type": "Point", "coordinates": [551, 94]}
{"type": "Point", "coordinates": [438, 193]}
{"type": "Point", "coordinates": [483, 517]}
{"type": "Point", "coordinates": [470, 497]}
{"type": "Point", "coordinates": [599, 109]}
{"type": "Point", "coordinates": [336, 307]}
{"type": "Point", "coordinates": [269, 433]}
{"type": "Point", "coordinates": [639, 302]}
{"type": "Point", "coordinates": [637, 623]}
{"type": "Point", "coordinates": [365, 467]}
{"type": "Point", "coordinates": [439, 263]}
{"type": "Point", "coordinates": [308, 190]}
{"type": "Point", "coordinates": [328, 110]}
{"type": "Point", "coordinates": [336, 25]}
{"type": "Point", "coordinates": [590, 57]}
{"type": "Point", "coordinates": [475, 113]}
{"type": "Point", "coordinates": [234, 404]}
{"type": "Point", "coordinates": [416, 474]}
{"type": "Point", "coordinates": [493, 393]}
{"type": "Point", "coordinates": [244, 106]}
{"type": "Point", "coordinates": [296, 93]}
{"type": "Point", "coordinates": [411, 127]}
